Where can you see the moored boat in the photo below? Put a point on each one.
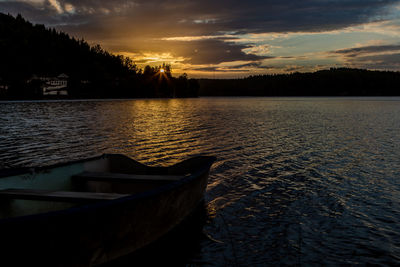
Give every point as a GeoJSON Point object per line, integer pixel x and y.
{"type": "Point", "coordinates": [91, 211]}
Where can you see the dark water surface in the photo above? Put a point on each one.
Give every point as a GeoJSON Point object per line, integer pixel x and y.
{"type": "Point", "coordinates": [298, 181]}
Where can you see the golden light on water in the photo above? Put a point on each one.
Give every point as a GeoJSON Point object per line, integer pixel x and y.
{"type": "Point", "coordinates": [163, 131]}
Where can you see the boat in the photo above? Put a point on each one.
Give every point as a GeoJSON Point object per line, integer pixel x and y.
{"type": "Point", "coordinates": [92, 211]}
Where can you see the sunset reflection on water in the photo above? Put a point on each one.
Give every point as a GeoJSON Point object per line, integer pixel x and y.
{"type": "Point", "coordinates": [297, 181]}
{"type": "Point", "coordinates": [164, 131]}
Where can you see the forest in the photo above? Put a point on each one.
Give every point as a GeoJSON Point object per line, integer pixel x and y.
{"type": "Point", "coordinates": [30, 51]}
{"type": "Point", "coordinates": [332, 82]}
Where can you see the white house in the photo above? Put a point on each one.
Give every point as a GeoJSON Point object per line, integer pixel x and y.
{"type": "Point", "coordinates": [55, 85]}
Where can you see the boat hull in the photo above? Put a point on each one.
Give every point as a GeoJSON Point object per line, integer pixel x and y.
{"type": "Point", "coordinates": [97, 233]}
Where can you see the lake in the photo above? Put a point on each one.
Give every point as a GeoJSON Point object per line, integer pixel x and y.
{"type": "Point", "coordinates": [298, 181]}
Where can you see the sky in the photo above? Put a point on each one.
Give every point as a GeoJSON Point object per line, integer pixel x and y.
{"type": "Point", "coordinates": [231, 38]}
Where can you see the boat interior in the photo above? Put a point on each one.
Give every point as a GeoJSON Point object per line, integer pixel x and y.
{"type": "Point", "coordinates": [103, 178]}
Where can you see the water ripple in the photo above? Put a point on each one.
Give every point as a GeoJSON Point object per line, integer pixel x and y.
{"type": "Point", "coordinates": [297, 181]}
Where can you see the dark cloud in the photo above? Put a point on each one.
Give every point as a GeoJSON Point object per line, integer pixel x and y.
{"type": "Point", "coordinates": [34, 13]}
{"type": "Point", "coordinates": [248, 65]}
{"type": "Point", "coordinates": [211, 69]}
{"type": "Point", "coordinates": [214, 51]}
{"type": "Point", "coordinates": [380, 57]}
{"type": "Point", "coordinates": [257, 65]}
{"type": "Point", "coordinates": [142, 25]}
{"type": "Point", "coordinates": [378, 62]}
{"type": "Point", "coordinates": [207, 17]}
{"type": "Point", "coordinates": [294, 68]}
{"type": "Point", "coordinates": [356, 51]}
{"type": "Point", "coordinates": [240, 67]}
{"type": "Point", "coordinates": [207, 51]}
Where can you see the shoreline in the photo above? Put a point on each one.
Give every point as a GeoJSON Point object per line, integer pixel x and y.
{"type": "Point", "coordinates": [55, 100]}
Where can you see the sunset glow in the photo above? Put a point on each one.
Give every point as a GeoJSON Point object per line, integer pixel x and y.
{"type": "Point", "coordinates": [206, 39]}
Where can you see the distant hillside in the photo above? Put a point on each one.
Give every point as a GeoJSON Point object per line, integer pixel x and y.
{"type": "Point", "coordinates": [333, 82]}
{"type": "Point", "coordinates": [28, 50]}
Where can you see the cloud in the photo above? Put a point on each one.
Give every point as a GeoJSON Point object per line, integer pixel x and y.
{"type": "Point", "coordinates": [357, 51]}
{"type": "Point", "coordinates": [380, 57]}
{"type": "Point", "coordinates": [378, 62]}
{"type": "Point", "coordinates": [210, 69]}
{"type": "Point", "coordinates": [234, 67]}
{"type": "Point", "coordinates": [211, 17]}
{"type": "Point", "coordinates": [202, 32]}
{"type": "Point", "coordinates": [56, 5]}
{"type": "Point", "coordinates": [207, 51]}
{"type": "Point", "coordinates": [293, 68]}
{"type": "Point", "coordinates": [214, 52]}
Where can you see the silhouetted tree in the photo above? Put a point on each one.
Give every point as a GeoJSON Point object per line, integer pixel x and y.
{"type": "Point", "coordinates": [332, 82]}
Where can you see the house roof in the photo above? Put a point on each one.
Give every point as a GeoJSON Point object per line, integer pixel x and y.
{"type": "Point", "coordinates": [63, 76]}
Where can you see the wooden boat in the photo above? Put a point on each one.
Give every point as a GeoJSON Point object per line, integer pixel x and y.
{"type": "Point", "coordinates": [91, 211]}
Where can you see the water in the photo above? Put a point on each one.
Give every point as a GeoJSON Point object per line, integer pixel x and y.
{"type": "Point", "coordinates": [298, 181]}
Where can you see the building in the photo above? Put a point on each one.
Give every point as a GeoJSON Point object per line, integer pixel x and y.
{"type": "Point", "coordinates": [55, 85]}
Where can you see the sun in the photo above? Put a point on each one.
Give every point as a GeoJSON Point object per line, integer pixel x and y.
{"type": "Point", "coordinates": [162, 74]}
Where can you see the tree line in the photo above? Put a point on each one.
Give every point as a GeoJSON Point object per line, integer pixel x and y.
{"type": "Point", "coordinates": [28, 50]}
{"type": "Point", "coordinates": [332, 82]}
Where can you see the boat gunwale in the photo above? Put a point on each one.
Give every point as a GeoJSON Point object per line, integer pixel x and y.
{"type": "Point", "coordinates": [31, 170]}
{"type": "Point", "coordinates": [197, 173]}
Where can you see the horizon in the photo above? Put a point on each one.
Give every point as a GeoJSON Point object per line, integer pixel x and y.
{"type": "Point", "coordinates": [231, 39]}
